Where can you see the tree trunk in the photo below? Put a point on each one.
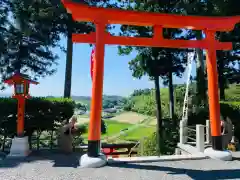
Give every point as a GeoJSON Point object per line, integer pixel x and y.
{"type": "Point", "coordinates": [221, 78]}
{"type": "Point", "coordinates": [51, 139]}
{"type": "Point", "coordinates": [4, 141]}
{"type": "Point", "coordinates": [159, 114]}
{"type": "Point", "coordinates": [201, 83]}
{"type": "Point", "coordinates": [68, 70]}
{"type": "Point", "coordinates": [171, 91]}
{"type": "Point", "coordinates": [38, 139]}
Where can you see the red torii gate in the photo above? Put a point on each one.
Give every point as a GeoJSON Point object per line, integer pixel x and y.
{"type": "Point", "coordinates": [101, 17]}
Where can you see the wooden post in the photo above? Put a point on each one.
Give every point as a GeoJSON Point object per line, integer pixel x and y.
{"type": "Point", "coordinates": [97, 91]}
{"type": "Point", "coordinates": [214, 106]}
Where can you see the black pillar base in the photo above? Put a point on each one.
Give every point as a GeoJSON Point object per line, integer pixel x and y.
{"type": "Point", "coordinates": [217, 143]}
{"type": "Point", "coordinates": [20, 135]}
{"type": "Point", "coordinates": [93, 148]}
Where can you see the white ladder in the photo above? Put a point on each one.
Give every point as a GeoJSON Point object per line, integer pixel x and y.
{"type": "Point", "coordinates": [191, 56]}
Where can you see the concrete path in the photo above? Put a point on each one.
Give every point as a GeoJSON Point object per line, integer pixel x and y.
{"type": "Point", "coordinates": [236, 154]}
{"type": "Point", "coordinates": [65, 167]}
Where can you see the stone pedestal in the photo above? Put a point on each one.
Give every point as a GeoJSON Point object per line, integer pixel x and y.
{"type": "Point", "coordinates": [220, 155]}
{"type": "Point", "coordinates": [93, 162]}
{"type": "Point", "coordinates": [19, 147]}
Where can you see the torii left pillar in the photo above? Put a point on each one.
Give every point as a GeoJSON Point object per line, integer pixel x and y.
{"type": "Point", "coordinates": [94, 158]}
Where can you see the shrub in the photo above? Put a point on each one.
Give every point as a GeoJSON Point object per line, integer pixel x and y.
{"type": "Point", "coordinates": [231, 110]}
{"type": "Point", "coordinates": [198, 115]}
{"type": "Point", "coordinates": [233, 93]}
{"type": "Point", "coordinates": [103, 127]}
{"type": "Point", "coordinates": [80, 129]}
{"type": "Point", "coordinates": [148, 146]}
{"type": "Point", "coordinates": [40, 114]}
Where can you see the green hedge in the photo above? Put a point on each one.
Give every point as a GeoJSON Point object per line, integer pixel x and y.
{"type": "Point", "coordinates": [40, 114]}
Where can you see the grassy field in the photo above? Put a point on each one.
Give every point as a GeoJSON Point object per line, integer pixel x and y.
{"type": "Point", "coordinates": [114, 128]}
{"type": "Point", "coordinates": [133, 123]}
{"type": "Point", "coordinates": [139, 133]}
{"type": "Point", "coordinates": [123, 117]}
{"type": "Point", "coordinates": [130, 117]}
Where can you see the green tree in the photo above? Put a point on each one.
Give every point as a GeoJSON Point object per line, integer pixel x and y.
{"type": "Point", "coordinates": [28, 43]}
{"type": "Point", "coordinates": [227, 60]}
{"type": "Point", "coordinates": [4, 10]}
{"type": "Point", "coordinates": [155, 62]}
{"type": "Point", "coordinates": [64, 24]}
{"type": "Point", "coordinates": [56, 15]}
{"type": "Point", "coordinates": [202, 8]}
{"type": "Point", "coordinates": [81, 106]}
{"type": "Point", "coordinates": [228, 73]}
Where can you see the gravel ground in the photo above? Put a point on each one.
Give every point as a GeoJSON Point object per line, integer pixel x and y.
{"type": "Point", "coordinates": [63, 167]}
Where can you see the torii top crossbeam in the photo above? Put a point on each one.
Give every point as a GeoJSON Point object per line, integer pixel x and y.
{"type": "Point", "coordinates": [81, 12]}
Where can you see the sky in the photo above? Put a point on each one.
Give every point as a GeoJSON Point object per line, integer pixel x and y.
{"type": "Point", "coordinates": [118, 79]}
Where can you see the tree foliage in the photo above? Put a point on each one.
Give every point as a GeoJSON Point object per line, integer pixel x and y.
{"type": "Point", "coordinates": [143, 101]}
{"type": "Point", "coordinates": [4, 10]}
{"type": "Point", "coordinates": [34, 28]}
{"type": "Point", "coordinates": [29, 41]}
{"type": "Point", "coordinates": [227, 60]}
{"type": "Point", "coordinates": [169, 60]}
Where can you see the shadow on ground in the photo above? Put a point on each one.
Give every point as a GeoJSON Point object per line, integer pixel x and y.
{"type": "Point", "coordinates": [58, 159]}
{"type": "Point", "coordinates": [194, 174]}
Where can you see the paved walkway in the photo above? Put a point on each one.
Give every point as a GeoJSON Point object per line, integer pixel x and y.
{"type": "Point", "coordinates": [63, 167]}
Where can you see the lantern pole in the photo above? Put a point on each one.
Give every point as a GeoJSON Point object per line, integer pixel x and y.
{"type": "Point", "coordinates": [21, 115]}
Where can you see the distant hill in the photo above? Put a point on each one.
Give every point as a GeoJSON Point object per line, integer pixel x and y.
{"type": "Point", "coordinates": [87, 99]}
{"type": "Point", "coordinates": [143, 101]}
{"type": "Point", "coordinates": [81, 98]}
{"type": "Point", "coordinates": [105, 97]}
{"type": "Point", "coordinates": [113, 97]}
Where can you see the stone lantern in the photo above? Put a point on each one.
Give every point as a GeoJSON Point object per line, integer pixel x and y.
{"type": "Point", "coordinates": [21, 84]}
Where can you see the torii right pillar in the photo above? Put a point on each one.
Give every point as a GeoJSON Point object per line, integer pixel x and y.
{"type": "Point", "coordinates": [214, 105]}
